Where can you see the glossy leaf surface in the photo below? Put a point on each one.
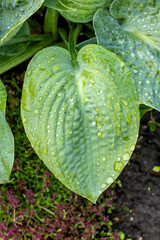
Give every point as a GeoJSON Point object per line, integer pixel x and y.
{"type": "Point", "coordinates": [12, 49]}
{"type": "Point", "coordinates": [77, 10]}
{"type": "Point", "coordinates": [6, 141]}
{"type": "Point", "coordinates": [86, 42]}
{"type": "Point", "coordinates": [129, 8]}
{"type": "Point", "coordinates": [136, 40]}
{"type": "Point", "coordinates": [82, 122]}
{"type": "Point", "coordinates": [13, 14]}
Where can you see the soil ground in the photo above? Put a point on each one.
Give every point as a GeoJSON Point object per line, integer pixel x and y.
{"type": "Point", "coordinates": [138, 203]}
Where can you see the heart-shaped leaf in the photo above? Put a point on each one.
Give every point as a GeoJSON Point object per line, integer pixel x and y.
{"type": "Point", "coordinates": [136, 40]}
{"type": "Point", "coordinates": [13, 14]}
{"type": "Point", "coordinates": [6, 141]}
{"type": "Point", "coordinates": [82, 122]}
{"type": "Point", "coordinates": [77, 10]}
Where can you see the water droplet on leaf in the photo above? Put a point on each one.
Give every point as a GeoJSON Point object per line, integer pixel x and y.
{"type": "Point", "coordinates": [126, 156]}
{"type": "Point", "coordinates": [109, 180]}
{"type": "Point", "coordinates": [99, 134]}
{"type": "Point", "coordinates": [103, 185]}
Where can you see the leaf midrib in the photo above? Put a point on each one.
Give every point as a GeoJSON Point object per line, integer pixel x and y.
{"type": "Point", "coordinates": [147, 39]}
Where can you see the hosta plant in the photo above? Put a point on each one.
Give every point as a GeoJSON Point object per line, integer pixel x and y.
{"type": "Point", "coordinates": [81, 102]}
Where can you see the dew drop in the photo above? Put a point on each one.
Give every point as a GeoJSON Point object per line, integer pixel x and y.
{"type": "Point", "coordinates": [45, 151]}
{"type": "Point", "coordinates": [40, 98]}
{"type": "Point", "coordinates": [109, 180]}
{"type": "Point", "coordinates": [51, 59]}
{"type": "Point", "coordinates": [103, 185]}
{"type": "Point", "coordinates": [29, 73]}
{"type": "Point", "coordinates": [126, 156]}
{"type": "Point", "coordinates": [132, 147]}
{"type": "Point", "coordinates": [53, 153]}
{"type": "Point", "coordinates": [25, 120]}
{"type": "Point", "coordinates": [99, 134]}
{"type": "Point", "coordinates": [36, 111]}
{"type": "Point", "coordinates": [118, 166]}
{"type": "Point", "coordinates": [86, 99]}
{"type": "Point", "coordinates": [125, 103]}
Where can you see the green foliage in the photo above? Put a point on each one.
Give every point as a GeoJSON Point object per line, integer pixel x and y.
{"type": "Point", "coordinates": [6, 140]}
{"type": "Point", "coordinates": [35, 204]}
{"type": "Point", "coordinates": [77, 10]}
{"type": "Point", "coordinates": [153, 124]}
{"type": "Point", "coordinates": [13, 14]}
{"type": "Point", "coordinates": [81, 111]}
{"type": "Point", "coordinates": [135, 38]}
{"type": "Point", "coordinates": [79, 116]}
{"type": "Point", "coordinates": [15, 48]}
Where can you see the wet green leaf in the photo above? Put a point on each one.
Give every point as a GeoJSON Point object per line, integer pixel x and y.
{"type": "Point", "coordinates": [144, 109]}
{"type": "Point", "coordinates": [55, 4]}
{"type": "Point", "coordinates": [77, 10]}
{"type": "Point", "coordinates": [135, 38]}
{"type": "Point", "coordinates": [8, 62]}
{"type": "Point", "coordinates": [86, 42]}
{"type": "Point", "coordinates": [6, 141]}
{"type": "Point", "coordinates": [82, 122]}
{"type": "Point", "coordinates": [129, 8]}
{"type": "Point", "coordinates": [13, 14]}
{"type": "Point", "coordinates": [12, 49]}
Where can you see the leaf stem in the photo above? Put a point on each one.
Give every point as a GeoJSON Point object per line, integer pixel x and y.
{"type": "Point", "coordinates": [73, 36]}
{"type": "Point", "coordinates": [51, 22]}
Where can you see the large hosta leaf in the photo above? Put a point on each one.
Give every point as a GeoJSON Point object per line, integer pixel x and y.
{"type": "Point", "coordinates": [135, 39]}
{"type": "Point", "coordinates": [77, 10]}
{"type": "Point", "coordinates": [82, 122]}
{"type": "Point", "coordinates": [6, 141]}
{"type": "Point", "coordinates": [13, 14]}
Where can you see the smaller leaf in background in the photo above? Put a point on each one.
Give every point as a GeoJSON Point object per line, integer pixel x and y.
{"type": "Point", "coordinates": [153, 124]}
{"type": "Point", "coordinates": [13, 14]}
{"type": "Point", "coordinates": [144, 109]}
{"type": "Point", "coordinates": [11, 48]}
{"type": "Point", "coordinates": [6, 140]}
{"type": "Point", "coordinates": [82, 120]}
{"type": "Point", "coordinates": [8, 62]}
{"type": "Point", "coordinates": [128, 8]}
{"type": "Point", "coordinates": [55, 4]}
{"type": "Point", "coordinates": [84, 43]}
{"type": "Point", "coordinates": [135, 38]}
{"type": "Point", "coordinates": [78, 10]}
{"type": "Point", "coordinates": [156, 169]}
